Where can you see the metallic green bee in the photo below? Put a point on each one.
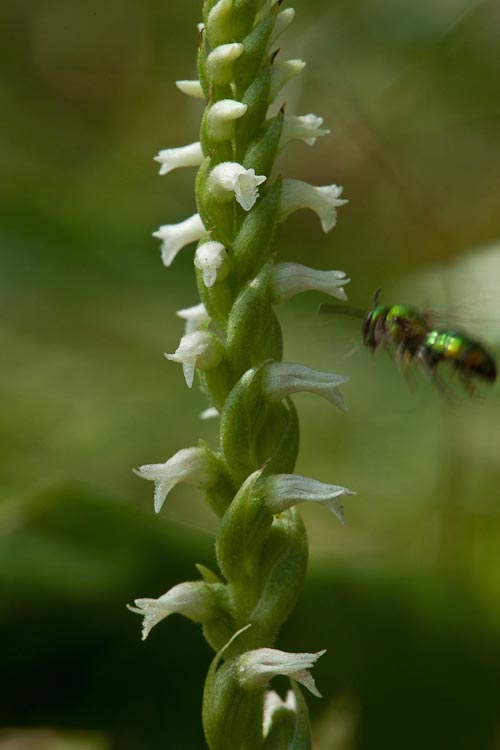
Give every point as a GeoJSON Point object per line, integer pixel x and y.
{"type": "Point", "coordinates": [411, 336]}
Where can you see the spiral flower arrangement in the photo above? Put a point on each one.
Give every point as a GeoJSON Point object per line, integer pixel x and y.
{"type": "Point", "coordinates": [233, 344]}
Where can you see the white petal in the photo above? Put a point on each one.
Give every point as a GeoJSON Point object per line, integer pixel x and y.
{"type": "Point", "coordinates": [211, 259]}
{"type": "Point", "coordinates": [322, 200]}
{"type": "Point", "coordinates": [210, 413]}
{"type": "Point", "coordinates": [281, 379]}
{"type": "Point", "coordinates": [289, 279]}
{"type": "Point", "coordinates": [195, 317]}
{"type": "Point", "coordinates": [222, 116]}
{"type": "Point", "coordinates": [184, 156]}
{"type": "Point", "coordinates": [191, 599]}
{"type": "Point", "coordinates": [196, 349]}
{"type": "Point", "coordinates": [191, 88]}
{"type": "Point", "coordinates": [176, 236]}
{"type": "Point", "coordinates": [230, 179]}
{"type": "Point", "coordinates": [303, 128]}
{"type": "Point", "coordinates": [274, 703]}
{"type": "Point", "coordinates": [194, 466]}
{"type": "Point", "coordinates": [283, 20]}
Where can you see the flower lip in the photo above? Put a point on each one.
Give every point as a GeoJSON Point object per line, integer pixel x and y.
{"type": "Point", "coordinates": [230, 179]}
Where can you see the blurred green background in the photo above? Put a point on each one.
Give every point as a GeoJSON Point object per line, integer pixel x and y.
{"type": "Point", "coordinates": [406, 597]}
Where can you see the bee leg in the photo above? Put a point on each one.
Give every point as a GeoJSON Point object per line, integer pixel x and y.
{"type": "Point", "coordinates": [430, 369]}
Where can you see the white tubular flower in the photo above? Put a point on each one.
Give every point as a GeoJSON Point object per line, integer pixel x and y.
{"type": "Point", "coordinates": [281, 73]}
{"type": "Point", "coordinates": [211, 259]}
{"type": "Point", "coordinates": [195, 317]}
{"type": "Point", "coordinates": [222, 116]}
{"type": "Point", "coordinates": [194, 466]}
{"type": "Point", "coordinates": [230, 179]}
{"type": "Point", "coordinates": [210, 413]}
{"type": "Point", "coordinates": [257, 667]}
{"type": "Point", "coordinates": [282, 491]}
{"type": "Point", "coordinates": [305, 128]}
{"type": "Point", "coordinates": [289, 279]}
{"type": "Point", "coordinates": [193, 600]}
{"type": "Point", "coordinates": [281, 379]}
{"type": "Point", "coordinates": [272, 704]}
{"type": "Point", "coordinates": [283, 20]}
{"type": "Point", "coordinates": [184, 156]}
{"type": "Point", "coordinates": [176, 236]}
{"type": "Point", "coordinates": [197, 349]}
{"type": "Point", "coordinates": [323, 201]}
{"type": "Point", "coordinates": [220, 62]}
{"type": "Point", "coordinates": [191, 88]}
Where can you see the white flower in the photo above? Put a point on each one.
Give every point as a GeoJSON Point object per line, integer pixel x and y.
{"type": "Point", "coordinates": [281, 379]}
{"type": "Point", "coordinates": [193, 600]}
{"type": "Point", "coordinates": [191, 88]}
{"type": "Point", "coordinates": [282, 21]}
{"type": "Point", "coordinates": [303, 128]}
{"type": "Point", "coordinates": [220, 62]}
{"type": "Point", "coordinates": [257, 667]}
{"type": "Point", "coordinates": [197, 349]}
{"type": "Point", "coordinates": [194, 466]}
{"type": "Point", "coordinates": [272, 704]}
{"type": "Point", "coordinates": [281, 73]}
{"type": "Point", "coordinates": [230, 179]}
{"type": "Point", "coordinates": [282, 491]}
{"type": "Point", "coordinates": [211, 259]}
{"type": "Point", "coordinates": [221, 118]}
{"type": "Point", "coordinates": [323, 201]}
{"type": "Point", "coordinates": [184, 156]}
{"type": "Point", "coordinates": [176, 236]}
{"type": "Point", "coordinates": [195, 317]}
{"type": "Point", "coordinates": [210, 413]}
{"type": "Point", "coordinates": [289, 279]}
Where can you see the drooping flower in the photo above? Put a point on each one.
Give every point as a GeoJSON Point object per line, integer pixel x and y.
{"type": "Point", "coordinates": [282, 491]}
{"type": "Point", "coordinates": [193, 599]}
{"type": "Point", "coordinates": [176, 236]}
{"type": "Point", "coordinates": [289, 279]}
{"type": "Point", "coordinates": [281, 379]}
{"type": "Point", "coordinates": [259, 666]}
{"type": "Point", "coordinates": [194, 466]}
{"type": "Point", "coordinates": [197, 349]}
{"type": "Point", "coordinates": [323, 200]}
{"type": "Point", "coordinates": [184, 156]}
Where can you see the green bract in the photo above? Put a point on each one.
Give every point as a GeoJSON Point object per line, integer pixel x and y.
{"type": "Point", "coordinates": [233, 344]}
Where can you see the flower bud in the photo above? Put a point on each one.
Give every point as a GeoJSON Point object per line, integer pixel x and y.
{"type": "Point", "coordinates": [281, 73]}
{"type": "Point", "coordinates": [185, 156]}
{"type": "Point", "coordinates": [191, 88]}
{"type": "Point", "coordinates": [220, 62]}
{"type": "Point", "coordinates": [176, 236]}
{"type": "Point", "coordinates": [221, 118]}
{"type": "Point", "coordinates": [283, 20]}
{"type": "Point", "coordinates": [289, 279]}
{"type": "Point", "coordinates": [194, 466]}
{"type": "Point", "coordinates": [322, 200]}
{"type": "Point", "coordinates": [197, 349]}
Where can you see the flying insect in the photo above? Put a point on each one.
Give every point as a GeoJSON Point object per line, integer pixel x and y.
{"type": "Point", "coordinates": [411, 336]}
